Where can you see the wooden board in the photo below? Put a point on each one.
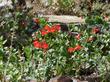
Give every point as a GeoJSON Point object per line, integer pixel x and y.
{"type": "Point", "coordinates": [64, 18]}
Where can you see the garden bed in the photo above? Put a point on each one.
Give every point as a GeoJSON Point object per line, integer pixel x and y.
{"type": "Point", "coordinates": [33, 47]}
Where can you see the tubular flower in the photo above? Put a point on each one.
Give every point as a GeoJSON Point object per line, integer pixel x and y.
{"type": "Point", "coordinates": [78, 47]}
{"type": "Point", "coordinates": [70, 50]}
{"type": "Point", "coordinates": [36, 44]}
{"type": "Point", "coordinates": [43, 32]}
{"type": "Point", "coordinates": [44, 45]}
{"type": "Point", "coordinates": [47, 28]}
{"type": "Point", "coordinates": [53, 29]}
{"type": "Point", "coordinates": [95, 30]}
{"type": "Point", "coordinates": [57, 27]}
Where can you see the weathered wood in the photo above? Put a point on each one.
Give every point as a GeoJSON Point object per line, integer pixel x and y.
{"type": "Point", "coordinates": [64, 19]}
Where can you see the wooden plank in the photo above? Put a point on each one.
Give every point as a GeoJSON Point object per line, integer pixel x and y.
{"type": "Point", "coordinates": [64, 18]}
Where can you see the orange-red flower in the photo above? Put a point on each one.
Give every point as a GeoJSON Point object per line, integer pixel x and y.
{"type": "Point", "coordinates": [47, 28]}
{"type": "Point", "coordinates": [44, 45]}
{"type": "Point", "coordinates": [43, 32]}
{"type": "Point", "coordinates": [78, 47]}
{"type": "Point", "coordinates": [36, 44]}
{"type": "Point", "coordinates": [95, 30]}
{"type": "Point", "coordinates": [57, 27]}
{"type": "Point", "coordinates": [53, 29]}
{"type": "Point", "coordinates": [70, 50]}
{"type": "Point", "coordinates": [78, 36]}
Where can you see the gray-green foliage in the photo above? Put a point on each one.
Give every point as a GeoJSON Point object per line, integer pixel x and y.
{"type": "Point", "coordinates": [80, 7]}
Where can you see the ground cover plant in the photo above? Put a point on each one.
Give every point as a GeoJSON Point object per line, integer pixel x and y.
{"type": "Point", "coordinates": [76, 50]}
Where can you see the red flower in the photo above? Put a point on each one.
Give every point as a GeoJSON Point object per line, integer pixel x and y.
{"type": "Point", "coordinates": [53, 29]}
{"type": "Point", "coordinates": [70, 50]}
{"type": "Point", "coordinates": [44, 45]}
{"type": "Point", "coordinates": [95, 30]}
{"type": "Point", "coordinates": [36, 44]}
{"type": "Point", "coordinates": [47, 28]}
{"type": "Point", "coordinates": [43, 32]}
{"type": "Point", "coordinates": [78, 47]}
{"type": "Point", "coordinates": [58, 27]}
{"type": "Point", "coordinates": [78, 36]}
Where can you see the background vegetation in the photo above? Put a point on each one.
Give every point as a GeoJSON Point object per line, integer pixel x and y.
{"type": "Point", "coordinates": [21, 61]}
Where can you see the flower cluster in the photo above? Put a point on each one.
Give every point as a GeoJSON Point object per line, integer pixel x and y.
{"type": "Point", "coordinates": [73, 49]}
{"type": "Point", "coordinates": [57, 27]}
{"type": "Point", "coordinates": [47, 29]}
{"type": "Point", "coordinates": [42, 45]}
